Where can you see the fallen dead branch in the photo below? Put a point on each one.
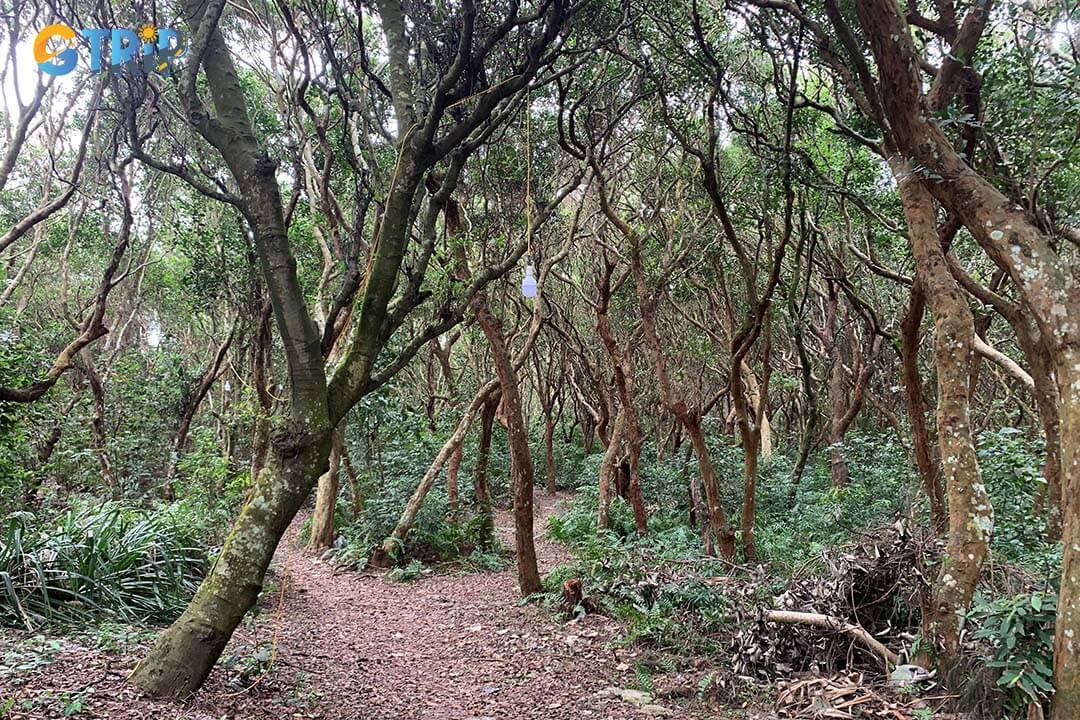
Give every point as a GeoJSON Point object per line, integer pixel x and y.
{"type": "Point", "coordinates": [835, 624]}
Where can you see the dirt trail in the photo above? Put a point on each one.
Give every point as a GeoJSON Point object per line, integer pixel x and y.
{"type": "Point", "coordinates": [447, 646]}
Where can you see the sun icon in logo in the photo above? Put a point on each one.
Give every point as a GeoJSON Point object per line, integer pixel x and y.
{"type": "Point", "coordinates": [148, 34]}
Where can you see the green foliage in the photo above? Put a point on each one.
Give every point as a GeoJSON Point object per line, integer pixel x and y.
{"type": "Point", "coordinates": [1018, 631]}
{"type": "Point", "coordinates": [100, 561]}
{"type": "Point", "coordinates": [1011, 464]}
{"type": "Point", "coordinates": [659, 583]}
{"type": "Point", "coordinates": [792, 527]}
{"type": "Point", "coordinates": [19, 364]}
{"type": "Point", "coordinates": [395, 449]}
{"type": "Point", "coordinates": [408, 573]}
{"type": "Point", "coordinates": [641, 580]}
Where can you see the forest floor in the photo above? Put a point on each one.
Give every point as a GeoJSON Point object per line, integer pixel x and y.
{"type": "Point", "coordinates": [448, 646]}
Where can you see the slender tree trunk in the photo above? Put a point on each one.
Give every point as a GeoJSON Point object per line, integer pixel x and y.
{"type": "Point", "coordinates": [356, 500]}
{"type": "Point", "coordinates": [260, 369]}
{"type": "Point", "coordinates": [1045, 390]}
{"type": "Point", "coordinates": [549, 450]}
{"type": "Point", "coordinates": [910, 333]}
{"type": "Point", "coordinates": [699, 513]}
{"type": "Point", "coordinates": [322, 519]}
{"type": "Point", "coordinates": [521, 467]}
{"type": "Point", "coordinates": [725, 535]}
{"type": "Point", "coordinates": [971, 518]}
{"type": "Point", "coordinates": [806, 437]}
{"type": "Point", "coordinates": [452, 481]}
{"type": "Point", "coordinates": [1066, 704]}
{"type": "Point", "coordinates": [837, 467]}
{"type": "Point", "coordinates": [187, 415]}
{"type": "Point", "coordinates": [98, 437]}
{"type": "Point", "coordinates": [481, 492]}
{"type": "Point", "coordinates": [750, 434]}
{"type": "Point", "coordinates": [608, 468]}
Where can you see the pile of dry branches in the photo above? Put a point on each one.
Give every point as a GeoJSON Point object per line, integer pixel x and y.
{"type": "Point", "coordinates": [840, 697]}
{"type": "Point", "coordinates": [844, 617]}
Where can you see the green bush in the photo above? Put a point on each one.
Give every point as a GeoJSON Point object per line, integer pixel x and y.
{"type": "Point", "coordinates": [1018, 634]}
{"type": "Point", "coordinates": [108, 561]}
{"type": "Point", "coordinates": [1011, 464]}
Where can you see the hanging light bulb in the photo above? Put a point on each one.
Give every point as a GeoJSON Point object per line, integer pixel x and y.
{"type": "Point", "coordinates": [153, 333]}
{"type": "Point", "coordinates": [528, 283]}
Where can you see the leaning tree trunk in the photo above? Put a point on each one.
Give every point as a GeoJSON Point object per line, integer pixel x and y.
{"type": "Point", "coordinates": [521, 466]}
{"type": "Point", "coordinates": [97, 420]}
{"type": "Point", "coordinates": [191, 406]}
{"type": "Point", "coordinates": [186, 652]}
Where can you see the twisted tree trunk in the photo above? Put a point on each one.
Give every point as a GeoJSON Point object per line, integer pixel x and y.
{"type": "Point", "coordinates": [971, 517]}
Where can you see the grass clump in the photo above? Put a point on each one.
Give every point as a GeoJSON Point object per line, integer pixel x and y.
{"type": "Point", "coordinates": [107, 561]}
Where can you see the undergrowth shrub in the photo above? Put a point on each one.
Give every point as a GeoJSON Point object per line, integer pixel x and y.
{"type": "Point", "coordinates": [794, 525]}
{"type": "Point", "coordinates": [1011, 464]}
{"type": "Point", "coordinates": [656, 584]}
{"type": "Point", "coordinates": [111, 561]}
{"type": "Point", "coordinates": [661, 583]}
{"type": "Point", "coordinates": [1017, 636]}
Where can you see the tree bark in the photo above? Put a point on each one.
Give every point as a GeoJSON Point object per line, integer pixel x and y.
{"type": "Point", "coordinates": [910, 333]}
{"type": "Point", "coordinates": [971, 517]}
{"type": "Point", "coordinates": [481, 492]}
{"type": "Point", "coordinates": [608, 467]}
{"type": "Point", "coordinates": [185, 653]}
{"type": "Point", "coordinates": [1049, 290]}
{"type": "Point", "coordinates": [98, 437]}
{"type": "Point", "coordinates": [452, 481]}
{"type": "Point", "coordinates": [521, 467]}
{"type": "Point", "coordinates": [322, 519]}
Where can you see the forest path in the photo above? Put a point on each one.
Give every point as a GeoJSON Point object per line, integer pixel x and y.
{"type": "Point", "coordinates": [349, 646]}
{"type": "Point", "coordinates": [449, 646]}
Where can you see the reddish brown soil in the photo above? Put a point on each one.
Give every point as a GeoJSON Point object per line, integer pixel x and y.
{"type": "Point", "coordinates": [448, 646]}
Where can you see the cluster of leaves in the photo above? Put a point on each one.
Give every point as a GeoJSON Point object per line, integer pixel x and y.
{"type": "Point", "coordinates": [103, 561]}
{"type": "Point", "coordinates": [1018, 634]}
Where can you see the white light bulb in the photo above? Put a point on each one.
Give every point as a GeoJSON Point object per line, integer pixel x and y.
{"type": "Point", "coordinates": [153, 333]}
{"type": "Point", "coordinates": [528, 283]}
